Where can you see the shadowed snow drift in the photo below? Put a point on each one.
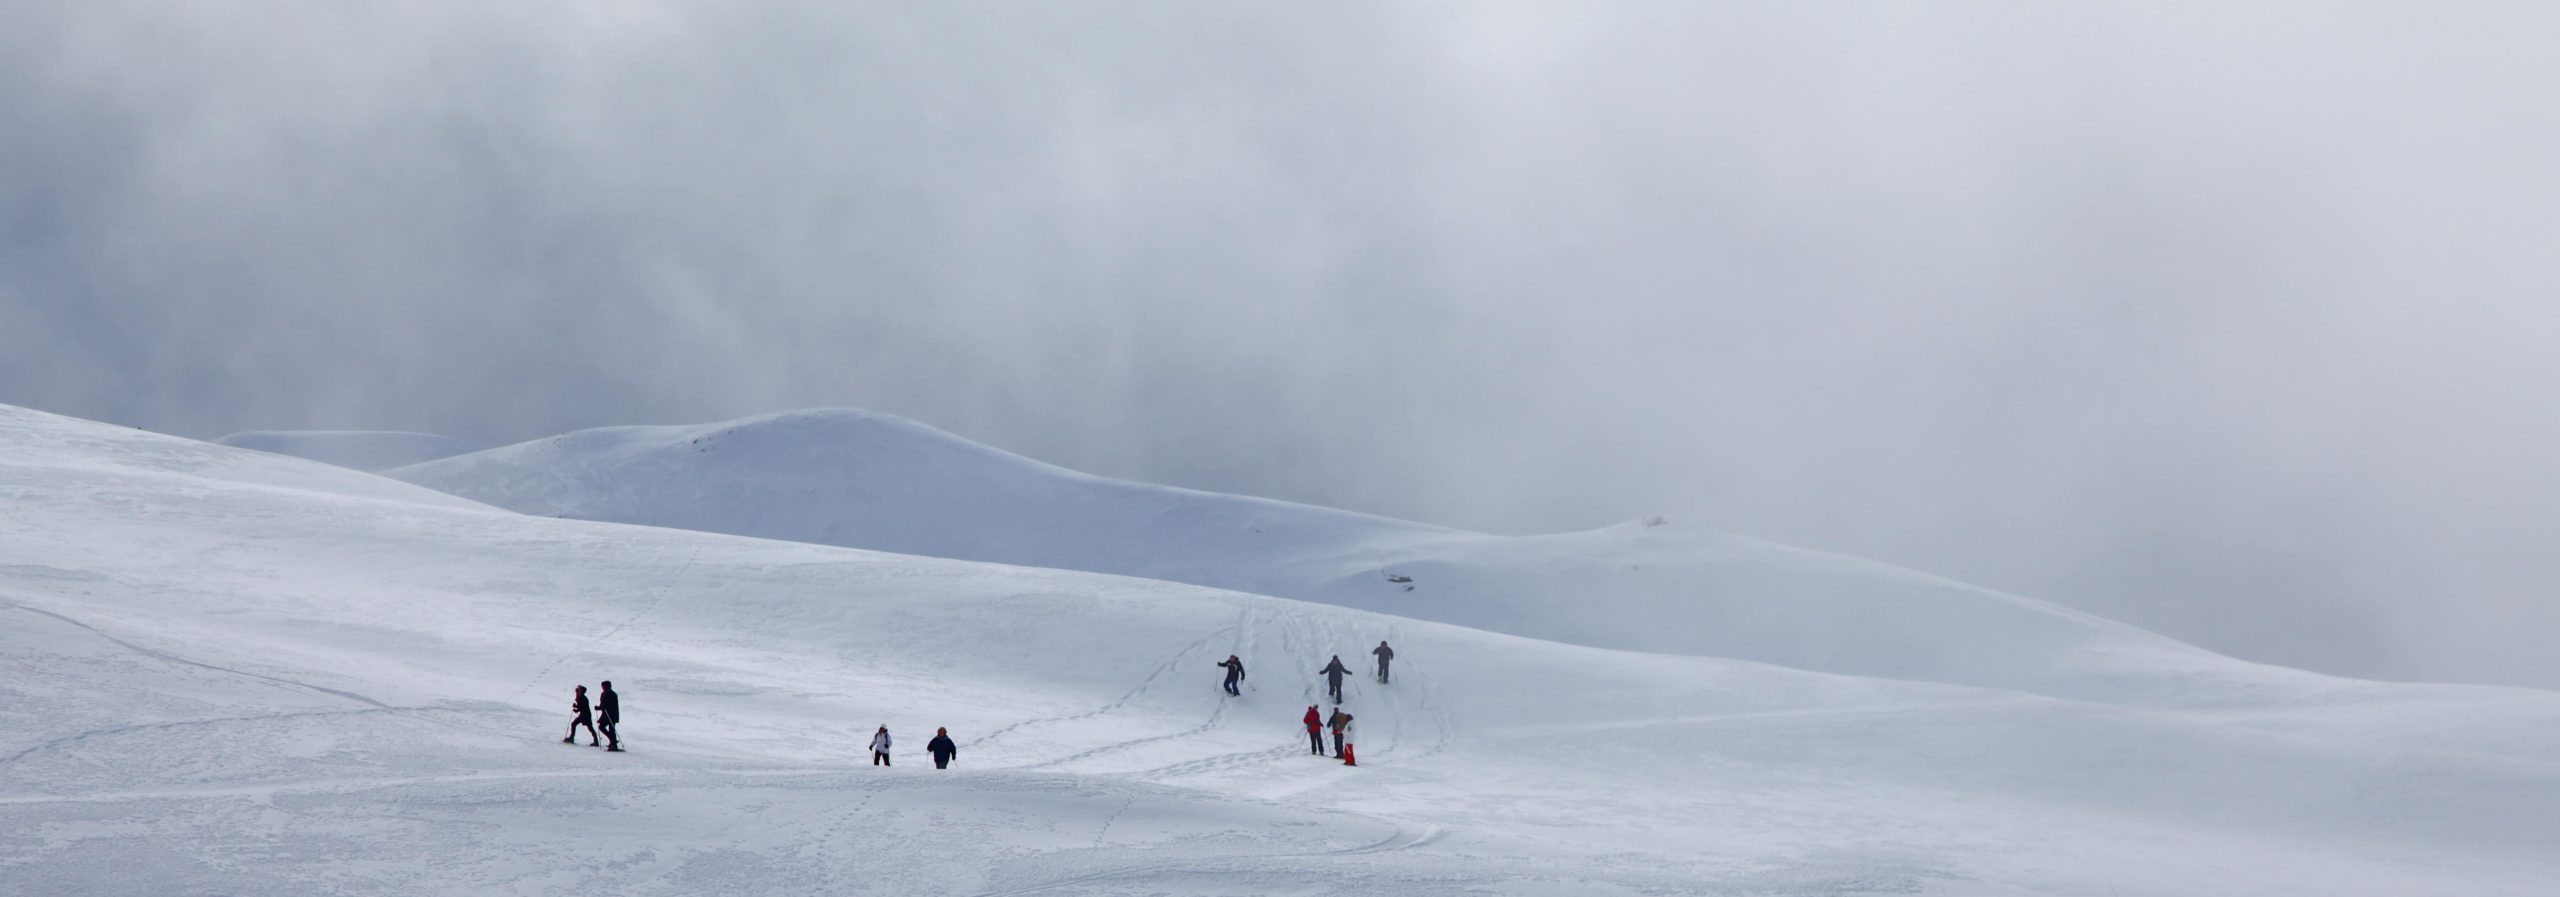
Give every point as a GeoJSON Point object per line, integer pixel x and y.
{"type": "Point", "coordinates": [366, 450]}
{"type": "Point", "coordinates": [866, 480]}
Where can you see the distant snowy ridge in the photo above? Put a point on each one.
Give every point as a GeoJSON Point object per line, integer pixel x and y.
{"type": "Point", "coordinates": [867, 480]}
{"type": "Point", "coordinates": [366, 450]}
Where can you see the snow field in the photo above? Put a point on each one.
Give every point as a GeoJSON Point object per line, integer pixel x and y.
{"type": "Point", "coordinates": [228, 673]}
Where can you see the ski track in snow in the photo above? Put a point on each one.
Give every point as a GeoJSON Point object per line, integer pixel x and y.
{"type": "Point", "coordinates": [1218, 712]}
{"type": "Point", "coordinates": [647, 605]}
{"type": "Point", "coordinates": [1143, 686]}
{"type": "Point", "coordinates": [68, 740]}
{"type": "Point", "coordinates": [172, 658]}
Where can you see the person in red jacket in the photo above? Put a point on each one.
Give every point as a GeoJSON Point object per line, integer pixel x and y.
{"type": "Point", "coordinates": [1315, 731]}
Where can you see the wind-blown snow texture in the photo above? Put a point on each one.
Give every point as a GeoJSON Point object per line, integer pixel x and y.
{"type": "Point", "coordinates": [224, 672]}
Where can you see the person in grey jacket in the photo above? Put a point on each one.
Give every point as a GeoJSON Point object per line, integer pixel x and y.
{"type": "Point", "coordinates": [880, 747]}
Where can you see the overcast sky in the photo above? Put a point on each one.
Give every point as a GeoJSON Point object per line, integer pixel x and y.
{"type": "Point", "coordinates": [2235, 321]}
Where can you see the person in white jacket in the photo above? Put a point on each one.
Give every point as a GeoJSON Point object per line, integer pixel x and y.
{"type": "Point", "coordinates": [880, 747]}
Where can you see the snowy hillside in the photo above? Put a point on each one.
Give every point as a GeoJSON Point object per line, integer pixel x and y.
{"type": "Point", "coordinates": [232, 673]}
{"type": "Point", "coordinates": [866, 480]}
{"type": "Point", "coordinates": [359, 449]}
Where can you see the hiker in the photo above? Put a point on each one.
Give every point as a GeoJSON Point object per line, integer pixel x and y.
{"type": "Point", "coordinates": [1386, 655]}
{"type": "Point", "coordinates": [584, 718]}
{"type": "Point", "coordinates": [1341, 723]}
{"type": "Point", "coordinates": [1235, 673]}
{"type": "Point", "coordinates": [608, 714]}
{"type": "Point", "coordinates": [941, 748]}
{"type": "Point", "coordinates": [1315, 731]}
{"type": "Point", "coordinates": [880, 747]}
{"type": "Point", "coordinates": [1333, 677]}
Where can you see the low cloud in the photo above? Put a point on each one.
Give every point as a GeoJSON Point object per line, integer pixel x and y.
{"type": "Point", "coordinates": [2233, 323]}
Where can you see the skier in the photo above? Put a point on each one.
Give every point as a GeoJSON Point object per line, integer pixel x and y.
{"type": "Point", "coordinates": [1341, 723]}
{"type": "Point", "coordinates": [1315, 731]}
{"type": "Point", "coordinates": [880, 747]}
{"type": "Point", "coordinates": [609, 714]}
{"type": "Point", "coordinates": [1333, 677]}
{"type": "Point", "coordinates": [1235, 673]}
{"type": "Point", "coordinates": [1386, 655]}
{"type": "Point", "coordinates": [584, 718]}
{"type": "Point", "coordinates": [942, 749]}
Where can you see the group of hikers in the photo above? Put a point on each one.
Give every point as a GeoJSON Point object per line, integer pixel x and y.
{"type": "Point", "coordinates": [1340, 720]}
{"type": "Point", "coordinates": [606, 713]}
{"type": "Point", "coordinates": [940, 747]}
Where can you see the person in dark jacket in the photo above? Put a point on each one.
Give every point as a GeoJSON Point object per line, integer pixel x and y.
{"type": "Point", "coordinates": [608, 715]}
{"type": "Point", "coordinates": [584, 718]}
{"type": "Point", "coordinates": [1235, 673]}
{"type": "Point", "coordinates": [880, 747]}
{"type": "Point", "coordinates": [1315, 731]}
{"type": "Point", "coordinates": [1341, 721]}
{"type": "Point", "coordinates": [942, 749]}
{"type": "Point", "coordinates": [1386, 655]}
{"type": "Point", "coordinates": [1333, 677]}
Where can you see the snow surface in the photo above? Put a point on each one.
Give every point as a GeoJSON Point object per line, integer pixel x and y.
{"type": "Point", "coordinates": [370, 450]}
{"type": "Point", "coordinates": [231, 673]}
{"type": "Point", "coordinates": [866, 480]}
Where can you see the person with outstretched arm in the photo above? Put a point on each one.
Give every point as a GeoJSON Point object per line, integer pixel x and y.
{"type": "Point", "coordinates": [1333, 677]}
{"type": "Point", "coordinates": [942, 749]}
{"type": "Point", "coordinates": [1315, 731]}
{"type": "Point", "coordinates": [584, 718]}
{"type": "Point", "coordinates": [880, 747]}
{"type": "Point", "coordinates": [608, 715]}
{"type": "Point", "coordinates": [1341, 723]}
{"type": "Point", "coordinates": [1386, 655]}
{"type": "Point", "coordinates": [1235, 673]}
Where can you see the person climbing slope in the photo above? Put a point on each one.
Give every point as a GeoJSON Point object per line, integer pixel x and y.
{"type": "Point", "coordinates": [942, 749]}
{"type": "Point", "coordinates": [608, 715]}
{"type": "Point", "coordinates": [1386, 655]}
{"type": "Point", "coordinates": [584, 718]}
{"type": "Point", "coordinates": [1333, 677]}
{"type": "Point", "coordinates": [880, 747]}
{"type": "Point", "coordinates": [1341, 723]}
{"type": "Point", "coordinates": [1235, 673]}
{"type": "Point", "coordinates": [1315, 731]}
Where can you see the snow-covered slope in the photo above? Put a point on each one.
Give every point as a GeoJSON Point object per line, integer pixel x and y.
{"type": "Point", "coordinates": [231, 673]}
{"type": "Point", "coordinates": [865, 480]}
{"type": "Point", "coordinates": [360, 449]}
